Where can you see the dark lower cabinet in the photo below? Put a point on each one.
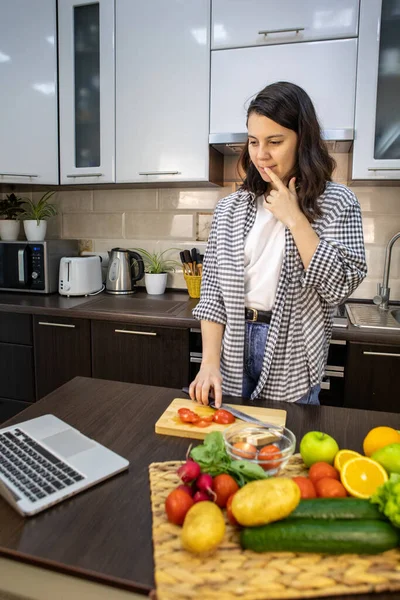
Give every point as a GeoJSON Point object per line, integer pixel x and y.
{"type": "Point", "coordinates": [140, 354]}
{"type": "Point", "coordinates": [62, 351]}
{"type": "Point", "coordinates": [10, 408]}
{"type": "Point", "coordinates": [372, 379]}
{"type": "Point", "coordinates": [16, 372]}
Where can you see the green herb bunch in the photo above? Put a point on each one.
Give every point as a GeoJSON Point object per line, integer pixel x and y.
{"type": "Point", "coordinates": [214, 460]}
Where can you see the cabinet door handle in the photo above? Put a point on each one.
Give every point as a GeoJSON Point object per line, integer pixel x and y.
{"type": "Point", "coordinates": [57, 324]}
{"type": "Point", "coordinates": [195, 359]}
{"type": "Point", "coordinates": [85, 175]}
{"type": "Point", "coordinates": [135, 332]}
{"type": "Point", "coordinates": [326, 384]}
{"type": "Point", "coordinates": [159, 173]}
{"type": "Point", "coordinates": [17, 175]}
{"type": "Point", "coordinates": [338, 342]}
{"type": "Point", "coordinates": [397, 355]}
{"type": "Point", "coordinates": [267, 31]}
{"type": "Point", "coordinates": [329, 373]}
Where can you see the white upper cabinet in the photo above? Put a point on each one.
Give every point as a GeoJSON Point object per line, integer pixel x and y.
{"type": "Point", "coordinates": [240, 23]}
{"type": "Point", "coordinates": [87, 91]}
{"type": "Point", "coordinates": [326, 70]}
{"type": "Point", "coordinates": [376, 153]}
{"type": "Point", "coordinates": [162, 90]}
{"type": "Point", "coordinates": [28, 96]}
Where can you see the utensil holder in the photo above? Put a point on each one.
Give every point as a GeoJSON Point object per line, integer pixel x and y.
{"type": "Point", "coordinates": [193, 283]}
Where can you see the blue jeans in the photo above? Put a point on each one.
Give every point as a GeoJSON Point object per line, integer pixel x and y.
{"type": "Point", "coordinates": [254, 347]}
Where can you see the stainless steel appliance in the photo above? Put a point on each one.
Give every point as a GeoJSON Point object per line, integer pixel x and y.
{"type": "Point", "coordinates": [124, 269]}
{"type": "Point", "coordinates": [33, 266]}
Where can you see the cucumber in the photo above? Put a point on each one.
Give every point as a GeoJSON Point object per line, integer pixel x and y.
{"type": "Point", "coordinates": [324, 536]}
{"type": "Point", "coordinates": [337, 508]}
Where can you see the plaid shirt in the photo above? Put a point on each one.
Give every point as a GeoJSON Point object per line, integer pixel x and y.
{"type": "Point", "coordinates": [301, 323]}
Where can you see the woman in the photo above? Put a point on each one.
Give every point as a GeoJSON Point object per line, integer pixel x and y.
{"type": "Point", "coordinates": [283, 251]}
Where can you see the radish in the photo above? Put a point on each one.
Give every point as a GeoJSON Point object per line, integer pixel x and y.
{"type": "Point", "coordinates": [201, 496]}
{"type": "Point", "coordinates": [189, 471]}
{"type": "Point", "coordinates": [186, 488]}
{"type": "Point", "coordinates": [204, 484]}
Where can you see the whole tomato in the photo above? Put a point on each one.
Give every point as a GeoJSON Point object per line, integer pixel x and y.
{"type": "Point", "coordinates": [307, 489]}
{"type": "Point", "coordinates": [223, 417]}
{"type": "Point", "coordinates": [320, 470]}
{"type": "Point", "coordinates": [266, 454]}
{"type": "Point", "coordinates": [224, 486]}
{"type": "Point", "coordinates": [177, 504]}
{"type": "Point", "coordinates": [330, 488]}
{"type": "Point", "coordinates": [229, 512]}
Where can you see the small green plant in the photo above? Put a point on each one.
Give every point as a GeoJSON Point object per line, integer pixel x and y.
{"type": "Point", "coordinates": [11, 207]}
{"type": "Point", "coordinates": [40, 211]}
{"type": "Point", "coordinates": [155, 262]}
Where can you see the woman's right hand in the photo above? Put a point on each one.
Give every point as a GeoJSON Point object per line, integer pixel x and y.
{"type": "Point", "coordinates": [208, 381]}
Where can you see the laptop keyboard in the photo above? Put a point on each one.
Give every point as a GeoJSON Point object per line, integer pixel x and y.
{"type": "Point", "coordinates": [33, 470]}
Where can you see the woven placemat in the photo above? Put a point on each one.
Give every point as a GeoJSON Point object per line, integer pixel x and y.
{"type": "Point", "coordinates": [231, 572]}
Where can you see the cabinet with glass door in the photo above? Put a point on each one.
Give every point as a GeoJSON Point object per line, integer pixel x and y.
{"type": "Point", "coordinates": [376, 153]}
{"type": "Point", "coordinates": [87, 91]}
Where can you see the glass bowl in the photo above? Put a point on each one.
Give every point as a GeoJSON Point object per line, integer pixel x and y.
{"type": "Point", "coordinates": [267, 446]}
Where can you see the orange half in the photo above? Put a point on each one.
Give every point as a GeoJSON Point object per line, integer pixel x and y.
{"type": "Point", "coordinates": [343, 456]}
{"type": "Point", "coordinates": [361, 476]}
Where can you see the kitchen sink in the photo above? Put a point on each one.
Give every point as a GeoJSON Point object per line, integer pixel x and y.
{"type": "Point", "coordinates": [372, 317]}
{"type": "Point", "coordinates": [396, 314]}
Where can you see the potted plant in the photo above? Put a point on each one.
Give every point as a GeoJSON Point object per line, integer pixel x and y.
{"type": "Point", "coordinates": [157, 267]}
{"type": "Point", "coordinates": [10, 210]}
{"type": "Point", "coordinates": [35, 217]}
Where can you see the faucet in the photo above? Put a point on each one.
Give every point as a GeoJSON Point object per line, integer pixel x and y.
{"type": "Point", "coordinates": [382, 299]}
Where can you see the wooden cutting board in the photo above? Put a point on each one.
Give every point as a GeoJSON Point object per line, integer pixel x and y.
{"type": "Point", "coordinates": [170, 424]}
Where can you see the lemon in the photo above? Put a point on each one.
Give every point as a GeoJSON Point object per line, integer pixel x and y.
{"type": "Point", "coordinates": [265, 500]}
{"type": "Point", "coordinates": [362, 476]}
{"type": "Point", "coordinates": [342, 457]}
{"type": "Point", "coordinates": [379, 437]}
{"type": "Point", "coordinates": [203, 528]}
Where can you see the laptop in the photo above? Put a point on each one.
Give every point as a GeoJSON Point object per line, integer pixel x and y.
{"type": "Point", "coordinates": [45, 460]}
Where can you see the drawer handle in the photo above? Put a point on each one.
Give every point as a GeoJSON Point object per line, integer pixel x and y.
{"type": "Point", "coordinates": [384, 169]}
{"type": "Point", "coordinates": [57, 324]}
{"type": "Point", "coordinates": [329, 373]}
{"type": "Point", "coordinates": [195, 359]}
{"type": "Point", "coordinates": [135, 332]}
{"type": "Point", "coordinates": [17, 175]}
{"type": "Point", "coordinates": [267, 31]}
{"type": "Point", "coordinates": [382, 354]}
{"type": "Point", "coordinates": [326, 385]}
{"type": "Point", "coordinates": [85, 175]}
{"type": "Point", "coordinates": [159, 173]}
{"type": "Point", "coordinates": [338, 342]}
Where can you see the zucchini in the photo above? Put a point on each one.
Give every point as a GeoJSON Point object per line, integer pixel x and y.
{"type": "Point", "coordinates": [324, 536]}
{"type": "Point", "coordinates": [336, 508]}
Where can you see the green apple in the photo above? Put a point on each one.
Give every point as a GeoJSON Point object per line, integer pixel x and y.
{"type": "Point", "coordinates": [316, 446]}
{"type": "Point", "coordinates": [388, 457]}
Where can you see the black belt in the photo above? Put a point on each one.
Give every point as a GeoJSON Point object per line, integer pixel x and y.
{"type": "Point", "coordinates": [260, 316]}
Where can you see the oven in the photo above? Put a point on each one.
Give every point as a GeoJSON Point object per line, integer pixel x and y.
{"type": "Point", "coordinates": [332, 385]}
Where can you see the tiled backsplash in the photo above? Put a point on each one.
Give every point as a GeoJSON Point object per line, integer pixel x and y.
{"type": "Point", "coordinates": [179, 218]}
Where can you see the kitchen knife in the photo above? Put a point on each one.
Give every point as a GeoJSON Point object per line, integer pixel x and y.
{"type": "Point", "coordinates": [237, 413]}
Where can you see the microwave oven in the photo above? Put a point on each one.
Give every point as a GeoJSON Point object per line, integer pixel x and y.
{"type": "Point", "coordinates": [33, 266]}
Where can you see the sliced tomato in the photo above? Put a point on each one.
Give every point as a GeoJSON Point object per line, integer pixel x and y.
{"type": "Point", "coordinates": [184, 410]}
{"type": "Point", "coordinates": [189, 417]}
{"type": "Point", "coordinates": [203, 422]}
{"type": "Point", "coordinates": [223, 417]}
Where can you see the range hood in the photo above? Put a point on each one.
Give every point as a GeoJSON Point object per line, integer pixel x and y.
{"type": "Point", "coordinates": [337, 140]}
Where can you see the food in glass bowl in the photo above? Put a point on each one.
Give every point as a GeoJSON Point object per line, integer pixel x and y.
{"type": "Point", "coordinates": [267, 446]}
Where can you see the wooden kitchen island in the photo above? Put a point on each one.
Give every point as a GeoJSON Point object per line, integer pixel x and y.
{"type": "Point", "coordinates": [104, 534]}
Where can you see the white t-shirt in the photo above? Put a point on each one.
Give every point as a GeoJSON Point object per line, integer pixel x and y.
{"type": "Point", "coordinates": [263, 256]}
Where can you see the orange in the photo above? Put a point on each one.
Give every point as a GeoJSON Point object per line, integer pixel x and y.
{"type": "Point", "coordinates": [378, 438]}
{"type": "Point", "coordinates": [343, 456]}
{"type": "Point", "coordinates": [362, 476]}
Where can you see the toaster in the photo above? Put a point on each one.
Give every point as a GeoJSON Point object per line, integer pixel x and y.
{"type": "Point", "coordinates": [80, 275]}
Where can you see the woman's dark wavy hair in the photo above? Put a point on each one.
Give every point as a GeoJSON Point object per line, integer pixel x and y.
{"type": "Point", "coordinates": [290, 106]}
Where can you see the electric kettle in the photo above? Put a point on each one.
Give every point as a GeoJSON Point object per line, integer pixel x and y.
{"type": "Point", "coordinates": [124, 268]}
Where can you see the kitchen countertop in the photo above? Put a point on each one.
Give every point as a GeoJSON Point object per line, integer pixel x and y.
{"type": "Point", "coordinates": [104, 534]}
{"type": "Point", "coordinates": [173, 309]}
